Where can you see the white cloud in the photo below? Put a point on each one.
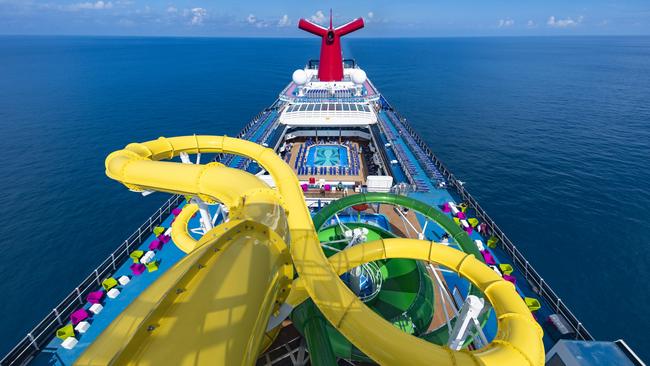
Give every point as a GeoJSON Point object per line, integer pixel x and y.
{"type": "Point", "coordinates": [198, 15]}
{"type": "Point", "coordinates": [563, 23]}
{"type": "Point", "coordinates": [505, 23]}
{"type": "Point", "coordinates": [284, 21]}
{"type": "Point", "coordinates": [319, 17]}
{"type": "Point", "coordinates": [172, 10]}
{"type": "Point", "coordinates": [99, 5]}
{"type": "Point", "coordinates": [531, 24]}
{"type": "Point", "coordinates": [371, 15]}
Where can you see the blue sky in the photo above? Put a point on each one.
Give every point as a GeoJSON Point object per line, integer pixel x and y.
{"type": "Point", "coordinates": [279, 18]}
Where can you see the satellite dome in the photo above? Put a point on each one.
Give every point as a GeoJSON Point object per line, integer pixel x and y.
{"type": "Point", "coordinates": [358, 76]}
{"type": "Point", "coordinates": [299, 77]}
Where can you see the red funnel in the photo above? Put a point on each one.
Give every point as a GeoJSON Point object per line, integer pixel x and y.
{"type": "Point", "coordinates": [330, 67]}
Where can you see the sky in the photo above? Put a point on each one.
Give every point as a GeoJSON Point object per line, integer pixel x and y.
{"type": "Point", "coordinates": [265, 18]}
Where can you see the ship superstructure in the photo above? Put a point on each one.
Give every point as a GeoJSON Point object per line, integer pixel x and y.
{"type": "Point", "coordinates": [409, 267]}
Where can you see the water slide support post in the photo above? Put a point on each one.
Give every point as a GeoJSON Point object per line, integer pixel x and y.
{"type": "Point", "coordinates": [206, 218]}
{"type": "Point", "coordinates": [468, 315]}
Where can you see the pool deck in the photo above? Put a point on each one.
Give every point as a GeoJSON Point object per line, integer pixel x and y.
{"type": "Point", "coordinates": [358, 178]}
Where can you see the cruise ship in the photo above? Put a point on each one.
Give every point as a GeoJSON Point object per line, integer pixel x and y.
{"type": "Point", "coordinates": [326, 232]}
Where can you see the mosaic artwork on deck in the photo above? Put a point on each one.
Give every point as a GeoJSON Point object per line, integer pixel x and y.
{"type": "Point", "coordinates": [327, 156]}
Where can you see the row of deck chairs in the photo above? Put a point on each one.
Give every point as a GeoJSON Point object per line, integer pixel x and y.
{"type": "Point", "coordinates": [248, 135]}
{"type": "Point", "coordinates": [430, 168]}
{"type": "Point", "coordinates": [300, 158]}
{"type": "Point", "coordinates": [324, 93]}
{"type": "Point", "coordinates": [420, 184]}
{"type": "Point", "coordinates": [331, 170]}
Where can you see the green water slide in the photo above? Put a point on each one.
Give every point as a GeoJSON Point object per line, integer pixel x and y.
{"type": "Point", "coordinates": [406, 296]}
{"type": "Point", "coordinates": [406, 300]}
{"type": "Point", "coordinates": [402, 288]}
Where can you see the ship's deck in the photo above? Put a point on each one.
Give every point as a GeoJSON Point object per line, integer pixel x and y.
{"type": "Point", "coordinates": [407, 163]}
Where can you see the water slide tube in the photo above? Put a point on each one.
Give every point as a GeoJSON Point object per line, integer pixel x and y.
{"type": "Point", "coordinates": [401, 293]}
{"type": "Point", "coordinates": [518, 340]}
{"type": "Point", "coordinates": [439, 336]}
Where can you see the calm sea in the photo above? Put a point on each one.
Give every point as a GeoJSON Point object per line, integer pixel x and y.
{"type": "Point", "coordinates": [552, 135]}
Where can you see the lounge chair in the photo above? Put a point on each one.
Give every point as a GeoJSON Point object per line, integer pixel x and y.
{"type": "Point", "coordinates": [124, 280]}
{"type": "Point", "coordinates": [152, 266]}
{"type": "Point", "coordinates": [492, 242]}
{"type": "Point", "coordinates": [69, 343]}
{"type": "Point", "coordinates": [137, 268]}
{"type": "Point", "coordinates": [158, 230]}
{"type": "Point", "coordinates": [95, 297]}
{"type": "Point", "coordinates": [155, 245]}
{"type": "Point", "coordinates": [532, 303]}
{"type": "Point", "coordinates": [510, 278]}
{"type": "Point", "coordinates": [487, 256]}
{"type": "Point", "coordinates": [136, 255]}
{"type": "Point", "coordinates": [96, 308]}
{"type": "Point", "coordinates": [65, 332]}
{"type": "Point", "coordinates": [82, 327]}
{"type": "Point", "coordinates": [109, 283]}
{"type": "Point", "coordinates": [113, 293]}
{"type": "Point", "coordinates": [506, 268]}
{"type": "Point", "coordinates": [78, 315]}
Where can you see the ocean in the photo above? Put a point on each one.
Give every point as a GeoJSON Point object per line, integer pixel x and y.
{"type": "Point", "coordinates": [550, 134]}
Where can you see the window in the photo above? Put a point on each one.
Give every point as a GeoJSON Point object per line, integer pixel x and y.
{"type": "Point", "coordinates": [330, 107]}
{"type": "Point", "coordinates": [339, 106]}
{"type": "Point", "coordinates": [346, 107]}
{"type": "Point", "coordinates": [365, 108]}
{"type": "Point", "coordinates": [303, 107]}
{"type": "Point", "coordinates": [317, 107]}
{"type": "Point", "coordinates": [311, 107]}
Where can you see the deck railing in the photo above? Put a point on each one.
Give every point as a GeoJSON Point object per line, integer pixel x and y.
{"type": "Point", "coordinates": [541, 287]}
{"type": "Point", "coordinates": [45, 330]}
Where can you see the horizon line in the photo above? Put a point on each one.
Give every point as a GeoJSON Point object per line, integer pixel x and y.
{"type": "Point", "coordinates": [306, 37]}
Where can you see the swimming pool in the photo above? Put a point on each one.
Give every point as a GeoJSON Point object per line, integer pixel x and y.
{"type": "Point", "coordinates": [327, 155]}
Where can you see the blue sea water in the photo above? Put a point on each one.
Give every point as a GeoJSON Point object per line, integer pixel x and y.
{"type": "Point", "coordinates": [552, 136]}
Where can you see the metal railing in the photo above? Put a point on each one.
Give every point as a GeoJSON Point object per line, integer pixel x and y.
{"type": "Point", "coordinates": [536, 281]}
{"type": "Point", "coordinates": [45, 330]}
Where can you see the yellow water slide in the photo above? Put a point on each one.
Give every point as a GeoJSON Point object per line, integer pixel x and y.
{"type": "Point", "coordinates": [151, 323]}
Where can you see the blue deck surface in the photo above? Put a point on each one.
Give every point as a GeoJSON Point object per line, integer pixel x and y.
{"type": "Point", "coordinates": [54, 354]}
{"type": "Point", "coordinates": [256, 135]}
